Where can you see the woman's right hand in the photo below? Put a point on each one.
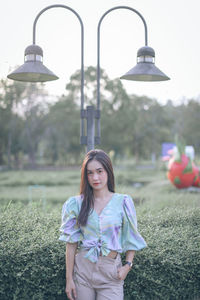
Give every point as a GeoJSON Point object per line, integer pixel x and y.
{"type": "Point", "coordinates": [70, 289]}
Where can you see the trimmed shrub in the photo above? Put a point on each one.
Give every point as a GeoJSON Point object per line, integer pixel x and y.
{"type": "Point", "coordinates": [32, 264]}
{"type": "Point", "coordinates": [169, 268]}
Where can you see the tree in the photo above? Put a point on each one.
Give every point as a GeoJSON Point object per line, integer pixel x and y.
{"type": "Point", "coordinates": [113, 97]}
{"type": "Point", "coordinates": [34, 109]}
{"type": "Point", "coordinates": [190, 124]}
{"type": "Point", "coordinates": [61, 136]}
{"type": "Point", "coordinates": [10, 96]}
{"type": "Point", "coordinates": [129, 123]}
{"type": "Point", "coordinates": [21, 108]}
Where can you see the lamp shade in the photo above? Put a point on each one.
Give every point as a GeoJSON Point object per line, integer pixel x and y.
{"type": "Point", "coordinates": [145, 70]}
{"type": "Point", "coordinates": [33, 69]}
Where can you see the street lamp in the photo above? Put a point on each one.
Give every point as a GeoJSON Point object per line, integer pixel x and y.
{"type": "Point", "coordinates": [33, 70]}
{"type": "Point", "coordinates": [145, 70]}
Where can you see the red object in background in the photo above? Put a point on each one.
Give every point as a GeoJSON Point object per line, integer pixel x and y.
{"type": "Point", "coordinates": [196, 181]}
{"type": "Point", "coordinates": [181, 171]}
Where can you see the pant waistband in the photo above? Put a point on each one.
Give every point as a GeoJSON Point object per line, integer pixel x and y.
{"type": "Point", "coordinates": [102, 258]}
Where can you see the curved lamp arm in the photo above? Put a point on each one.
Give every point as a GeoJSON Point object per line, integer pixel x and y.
{"type": "Point", "coordinates": [98, 58]}
{"type": "Point", "coordinates": [82, 53]}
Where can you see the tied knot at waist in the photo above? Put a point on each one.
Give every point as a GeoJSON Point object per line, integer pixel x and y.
{"type": "Point", "coordinates": [94, 249]}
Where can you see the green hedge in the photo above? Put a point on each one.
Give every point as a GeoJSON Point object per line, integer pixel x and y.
{"type": "Point", "coordinates": [169, 268]}
{"type": "Point", "coordinates": [32, 260]}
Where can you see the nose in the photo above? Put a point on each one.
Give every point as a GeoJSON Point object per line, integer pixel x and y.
{"type": "Point", "coordinates": [95, 176]}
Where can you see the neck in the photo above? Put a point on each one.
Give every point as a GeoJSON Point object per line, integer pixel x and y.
{"type": "Point", "coordinates": [102, 194]}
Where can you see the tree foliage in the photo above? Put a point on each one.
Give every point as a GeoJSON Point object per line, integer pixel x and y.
{"type": "Point", "coordinates": [131, 125]}
{"type": "Point", "coordinates": [22, 114]}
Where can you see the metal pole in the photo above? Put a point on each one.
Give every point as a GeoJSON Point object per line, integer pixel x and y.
{"type": "Point", "coordinates": [90, 127]}
{"type": "Point", "coordinates": [82, 112]}
{"type": "Point", "coordinates": [90, 114]}
{"type": "Point", "coordinates": [98, 60]}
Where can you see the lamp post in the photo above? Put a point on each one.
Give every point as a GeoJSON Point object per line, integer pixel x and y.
{"type": "Point", "coordinates": [33, 70]}
{"type": "Point", "coordinates": [145, 70]}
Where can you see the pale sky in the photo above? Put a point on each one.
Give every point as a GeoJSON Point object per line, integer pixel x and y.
{"type": "Point", "coordinates": [173, 32]}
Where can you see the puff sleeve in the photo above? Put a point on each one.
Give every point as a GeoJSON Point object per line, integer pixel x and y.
{"type": "Point", "coordinates": [131, 238]}
{"type": "Point", "coordinates": [70, 230]}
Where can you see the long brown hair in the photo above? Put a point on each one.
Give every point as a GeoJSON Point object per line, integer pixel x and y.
{"type": "Point", "coordinates": [85, 189]}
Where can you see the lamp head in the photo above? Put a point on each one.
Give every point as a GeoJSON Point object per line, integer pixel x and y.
{"type": "Point", "coordinates": [33, 69]}
{"type": "Point", "coordinates": [145, 70]}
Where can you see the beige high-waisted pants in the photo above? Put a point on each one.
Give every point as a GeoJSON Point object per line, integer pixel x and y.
{"type": "Point", "coordinates": [97, 281]}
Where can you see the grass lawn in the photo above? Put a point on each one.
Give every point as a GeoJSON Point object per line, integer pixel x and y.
{"type": "Point", "coordinates": [149, 188]}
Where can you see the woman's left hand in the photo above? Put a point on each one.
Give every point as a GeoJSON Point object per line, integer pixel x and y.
{"type": "Point", "coordinates": [123, 271]}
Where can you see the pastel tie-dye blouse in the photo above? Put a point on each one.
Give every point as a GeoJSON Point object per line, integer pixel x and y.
{"type": "Point", "coordinates": [114, 229]}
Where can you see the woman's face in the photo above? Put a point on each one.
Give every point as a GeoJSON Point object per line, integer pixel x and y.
{"type": "Point", "coordinates": [97, 175]}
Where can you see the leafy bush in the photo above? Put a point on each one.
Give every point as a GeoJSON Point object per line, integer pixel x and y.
{"type": "Point", "coordinates": [169, 268]}
{"type": "Point", "coordinates": [32, 259]}
{"type": "Point", "coordinates": [32, 264]}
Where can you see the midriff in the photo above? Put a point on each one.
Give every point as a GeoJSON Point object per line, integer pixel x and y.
{"type": "Point", "coordinates": [111, 254]}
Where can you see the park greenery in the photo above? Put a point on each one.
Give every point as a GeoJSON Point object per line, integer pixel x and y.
{"type": "Point", "coordinates": [35, 130]}
{"type": "Point", "coordinates": [32, 264]}
{"type": "Point", "coordinates": [38, 132]}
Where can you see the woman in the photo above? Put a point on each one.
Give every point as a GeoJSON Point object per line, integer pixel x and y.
{"type": "Point", "coordinates": [98, 225]}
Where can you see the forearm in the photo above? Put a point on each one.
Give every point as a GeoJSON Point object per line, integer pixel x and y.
{"type": "Point", "coordinates": [130, 255]}
{"type": "Point", "coordinates": [123, 271]}
{"type": "Point", "coordinates": [70, 255]}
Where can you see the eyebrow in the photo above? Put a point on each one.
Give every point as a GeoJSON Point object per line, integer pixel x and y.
{"type": "Point", "coordinates": [96, 169]}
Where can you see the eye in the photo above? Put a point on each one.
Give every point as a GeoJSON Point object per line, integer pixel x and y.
{"type": "Point", "coordinates": [100, 171]}
{"type": "Point", "coordinates": [89, 172]}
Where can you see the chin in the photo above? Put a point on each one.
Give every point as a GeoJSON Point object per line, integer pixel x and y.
{"type": "Point", "coordinates": [97, 187]}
